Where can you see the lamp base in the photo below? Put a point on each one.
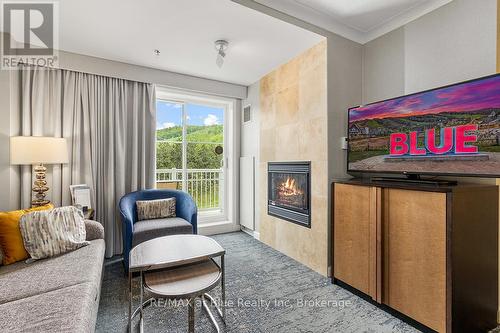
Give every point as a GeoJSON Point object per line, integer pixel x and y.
{"type": "Point", "coordinates": [37, 203]}
{"type": "Point", "coordinates": [40, 187]}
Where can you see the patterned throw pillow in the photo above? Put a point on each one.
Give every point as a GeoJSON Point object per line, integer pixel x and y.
{"type": "Point", "coordinates": [50, 233]}
{"type": "Point", "coordinates": [155, 209]}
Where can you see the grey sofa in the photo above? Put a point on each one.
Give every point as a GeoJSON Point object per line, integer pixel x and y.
{"type": "Point", "coordinates": [59, 294]}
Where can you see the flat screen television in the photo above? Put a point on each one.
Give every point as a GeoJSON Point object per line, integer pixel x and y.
{"type": "Point", "coordinates": [453, 130]}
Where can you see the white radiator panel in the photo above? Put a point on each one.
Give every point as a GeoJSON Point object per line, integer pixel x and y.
{"type": "Point", "coordinates": [247, 192]}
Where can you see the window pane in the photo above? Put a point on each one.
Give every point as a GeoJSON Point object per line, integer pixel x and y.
{"type": "Point", "coordinates": [205, 123]}
{"type": "Point", "coordinates": [205, 176]}
{"type": "Point", "coordinates": [168, 155]}
{"type": "Point", "coordinates": [203, 156]}
{"type": "Point", "coordinates": [169, 165]}
{"type": "Point", "coordinates": [168, 145]}
{"type": "Point", "coordinates": [168, 121]}
{"type": "Point", "coordinates": [205, 138]}
{"type": "Point", "coordinates": [204, 129]}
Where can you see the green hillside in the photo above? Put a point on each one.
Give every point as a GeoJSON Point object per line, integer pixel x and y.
{"type": "Point", "coordinates": [199, 155]}
{"type": "Point", "coordinates": [194, 134]}
{"type": "Point", "coordinates": [170, 134]}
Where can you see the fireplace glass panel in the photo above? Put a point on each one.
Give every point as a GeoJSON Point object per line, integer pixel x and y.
{"type": "Point", "coordinates": [289, 190]}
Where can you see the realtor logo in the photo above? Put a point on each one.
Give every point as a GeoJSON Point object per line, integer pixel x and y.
{"type": "Point", "coordinates": [30, 33]}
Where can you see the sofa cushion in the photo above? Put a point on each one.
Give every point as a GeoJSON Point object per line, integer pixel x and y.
{"type": "Point", "coordinates": [23, 280]}
{"type": "Point", "coordinates": [11, 239]}
{"type": "Point", "coordinates": [70, 309]}
{"type": "Point", "coordinates": [149, 229]}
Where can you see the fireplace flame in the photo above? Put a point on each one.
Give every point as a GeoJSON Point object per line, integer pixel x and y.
{"type": "Point", "coordinates": [289, 187]}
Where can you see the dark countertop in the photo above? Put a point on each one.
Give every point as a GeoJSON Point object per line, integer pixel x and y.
{"type": "Point", "coordinates": [405, 185]}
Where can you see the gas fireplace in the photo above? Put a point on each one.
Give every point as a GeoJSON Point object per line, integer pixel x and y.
{"type": "Point", "coordinates": [289, 191]}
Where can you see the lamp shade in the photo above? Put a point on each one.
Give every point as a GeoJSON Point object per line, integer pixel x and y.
{"type": "Point", "coordinates": [38, 149]}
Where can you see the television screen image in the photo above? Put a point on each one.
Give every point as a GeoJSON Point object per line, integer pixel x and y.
{"type": "Point", "coordinates": [453, 130]}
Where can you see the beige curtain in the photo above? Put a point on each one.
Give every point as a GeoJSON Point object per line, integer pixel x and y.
{"type": "Point", "coordinates": [110, 126]}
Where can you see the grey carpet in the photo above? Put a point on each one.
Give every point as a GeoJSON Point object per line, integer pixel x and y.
{"type": "Point", "coordinates": [256, 276]}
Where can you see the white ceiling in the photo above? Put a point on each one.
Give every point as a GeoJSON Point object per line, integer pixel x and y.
{"type": "Point", "coordinates": [184, 31]}
{"type": "Point", "coordinates": [358, 20]}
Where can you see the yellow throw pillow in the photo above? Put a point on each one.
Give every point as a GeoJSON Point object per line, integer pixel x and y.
{"type": "Point", "coordinates": [11, 240]}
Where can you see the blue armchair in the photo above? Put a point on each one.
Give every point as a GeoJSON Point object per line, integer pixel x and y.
{"type": "Point", "coordinates": [136, 232]}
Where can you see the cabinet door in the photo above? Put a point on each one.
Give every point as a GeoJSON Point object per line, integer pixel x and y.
{"type": "Point", "coordinates": [355, 238]}
{"type": "Point", "coordinates": [414, 224]}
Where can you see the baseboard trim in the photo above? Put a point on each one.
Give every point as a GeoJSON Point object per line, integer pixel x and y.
{"type": "Point", "coordinates": [215, 228]}
{"type": "Point", "coordinates": [251, 232]}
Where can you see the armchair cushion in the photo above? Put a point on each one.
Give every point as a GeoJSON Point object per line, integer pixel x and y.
{"type": "Point", "coordinates": [148, 229]}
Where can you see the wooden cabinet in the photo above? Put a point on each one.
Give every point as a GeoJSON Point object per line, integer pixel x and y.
{"type": "Point", "coordinates": [355, 250]}
{"type": "Point", "coordinates": [429, 253]}
{"type": "Point", "coordinates": [415, 255]}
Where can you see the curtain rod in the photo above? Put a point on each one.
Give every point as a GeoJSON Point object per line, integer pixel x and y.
{"type": "Point", "coordinates": [21, 64]}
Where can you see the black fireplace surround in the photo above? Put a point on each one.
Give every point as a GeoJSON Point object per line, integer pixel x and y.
{"type": "Point", "coordinates": [289, 191]}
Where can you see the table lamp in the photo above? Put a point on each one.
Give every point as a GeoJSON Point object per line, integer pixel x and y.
{"type": "Point", "coordinates": [37, 151]}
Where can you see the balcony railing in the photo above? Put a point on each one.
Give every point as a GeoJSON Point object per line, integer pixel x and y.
{"type": "Point", "coordinates": [204, 185]}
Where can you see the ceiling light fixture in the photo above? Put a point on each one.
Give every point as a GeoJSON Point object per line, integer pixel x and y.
{"type": "Point", "coordinates": [156, 52]}
{"type": "Point", "coordinates": [221, 46]}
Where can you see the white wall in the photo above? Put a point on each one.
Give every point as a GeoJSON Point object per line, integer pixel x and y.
{"type": "Point", "coordinates": [250, 136]}
{"type": "Point", "coordinates": [384, 67]}
{"type": "Point", "coordinates": [454, 43]}
{"type": "Point", "coordinates": [344, 82]}
{"type": "Point", "coordinates": [250, 130]}
{"type": "Point", "coordinates": [344, 91]}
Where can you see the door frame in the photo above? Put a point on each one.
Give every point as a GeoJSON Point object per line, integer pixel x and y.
{"type": "Point", "coordinates": [226, 222]}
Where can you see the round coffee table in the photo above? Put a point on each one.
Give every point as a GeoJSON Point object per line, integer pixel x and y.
{"type": "Point", "coordinates": [178, 267]}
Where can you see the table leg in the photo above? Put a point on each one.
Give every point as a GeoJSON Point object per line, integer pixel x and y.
{"type": "Point", "coordinates": [141, 320]}
{"type": "Point", "coordinates": [210, 315]}
{"type": "Point", "coordinates": [214, 303]}
{"type": "Point", "coordinates": [130, 301]}
{"type": "Point", "coordinates": [191, 315]}
{"type": "Point", "coordinates": [145, 304]}
{"type": "Point", "coordinates": [223, 288]}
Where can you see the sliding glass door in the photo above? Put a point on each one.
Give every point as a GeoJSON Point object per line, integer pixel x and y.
{"type": "Point", "coordinates": [190, 153]}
